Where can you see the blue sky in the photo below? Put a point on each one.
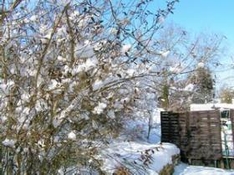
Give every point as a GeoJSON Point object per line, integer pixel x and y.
{"type": "Point", "coordinates": [211, 16]}
{"type": "Point", "coordinates": [206, 15]}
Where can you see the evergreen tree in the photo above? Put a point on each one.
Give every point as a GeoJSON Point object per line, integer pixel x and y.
{"type": "Point", "coordinates": [204, 85]}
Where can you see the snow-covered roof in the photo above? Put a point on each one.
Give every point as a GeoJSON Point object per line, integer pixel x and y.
{"type": "Point", "coordinates": [211, 106]}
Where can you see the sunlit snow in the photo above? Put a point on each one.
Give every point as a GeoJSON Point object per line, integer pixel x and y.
{"type": "Point", "coordinates": [9, 142]}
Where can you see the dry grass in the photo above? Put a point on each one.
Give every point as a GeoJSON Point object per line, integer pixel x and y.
{"type": "Point", "coordinates": [121, 171]}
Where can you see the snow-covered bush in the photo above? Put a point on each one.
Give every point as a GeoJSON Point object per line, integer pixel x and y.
{"type": "Point", "coordinates": [69, 71]}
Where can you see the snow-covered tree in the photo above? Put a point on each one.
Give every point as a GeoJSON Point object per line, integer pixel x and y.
{"type": "Point", "coordinates": [183, 56]}
{"type": "Point", "coordinates": [226, 94]}
{"type": "Point", "coordinates": [69, 73]}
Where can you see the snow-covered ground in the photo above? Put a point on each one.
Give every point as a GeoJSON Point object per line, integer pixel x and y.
{"type": "Point", "coordinates": [140, 158]}
{"type": "Point", "coordinates": [133, 150]}
{"type": "Point", "coordinates": [184, 169]}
